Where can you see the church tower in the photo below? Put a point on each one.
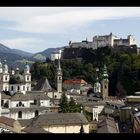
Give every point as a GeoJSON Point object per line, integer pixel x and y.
{"type": "Point", "coordinates": [59, 78]}
{"type": "Point", "coordinates": [105, 83]}
{"type": "Point", "coordinates": [4, 77]}
{"type": "Point", "coordinates": [27, 77]}
{"type": "Point", "coordinates": [97, 86]}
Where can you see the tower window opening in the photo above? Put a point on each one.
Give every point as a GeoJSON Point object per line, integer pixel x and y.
{"type": "Point", "coordinates": [27, 78]}
{"type": "Point", "coordinates": [6, 78]}
{"type": "Point", "coordinates": [18, 88]}
{"type": "Point", "coordinates": [19, 114]}
{"type": "Point", "coordinates": [12, 88]}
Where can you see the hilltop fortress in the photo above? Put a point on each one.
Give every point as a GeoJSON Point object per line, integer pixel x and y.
{"type": "Point", "coordinates": [102, 41]}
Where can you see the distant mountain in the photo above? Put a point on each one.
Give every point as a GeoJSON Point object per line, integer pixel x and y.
{"type": "Point", "coordinates": [46, 53]}
{"type": "Point", "coordinates": [5, 49]}
{"type": "Point", "coordinates": [14, 57]}
{"type": "Point", "coordinates": [22, 53]}
{"type": "Point", "coordinates": [18, 58]}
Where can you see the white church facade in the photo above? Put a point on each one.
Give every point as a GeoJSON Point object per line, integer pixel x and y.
{"type": "Point", "coordinates": [18, 101]}
{"type": "Point", "coordinates": [14, 81]}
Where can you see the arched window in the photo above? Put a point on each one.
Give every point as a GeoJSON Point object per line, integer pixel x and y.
{"type": "Point", "coordinates": [23, 87]}
{"type": "Point", "coordinates": [6, 78]}
{"type": "Point", "coordinates": [20, 103]}
{"type": "Point", "coordinates": [27, 78]}
{"type": "Point", "coordinates": [12, 88]}
{"type": "Point", "coordinates": [105, 86]}
{"type": "Point", "coordinates": [36, 113]}
{"type": "Point", "coordinates": [19, 114]}
{"type": "Point", "coordinates": [18, 88]}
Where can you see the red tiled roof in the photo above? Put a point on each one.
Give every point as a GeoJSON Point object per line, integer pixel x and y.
{"type": "Point", "coordinates": [75, 81]}
{"type": "Point", "coordinates": [7, 121]}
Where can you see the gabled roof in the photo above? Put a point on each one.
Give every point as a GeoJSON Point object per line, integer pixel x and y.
{"type": "Point", "coordinates": [59, 119]}
{"type": "Point", "coordinates": [108, 125]}
{"type": "Point", "coordinates": [43, 85]}
{"type": "Point", "coordinates": [30, 96]}
{"type": "Point", "coordinates": [7, 121]}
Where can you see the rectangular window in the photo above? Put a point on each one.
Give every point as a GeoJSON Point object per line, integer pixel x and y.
{"type": "Point", "coordinates": [27, 78]}
{"type": "Point", "coordinates": [12, 88]}
{"type": "Point", "coordinates": [27, 88]}
{"type": "Point", "coordinates": [23, 87]}
{"type": "Point", "coordinates": [2, 102]}
{"type": "Point", "coordinates": [6, 78]}
{"type": "Point", "coordinates": [18, 88]}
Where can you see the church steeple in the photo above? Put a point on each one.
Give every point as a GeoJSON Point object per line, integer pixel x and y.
{"type": "Point", "coordinates": [97, 86]}
{"type": "Point", "coordinates": [59, 77]}
{"type": "Point", "coordinates": [105, 83]}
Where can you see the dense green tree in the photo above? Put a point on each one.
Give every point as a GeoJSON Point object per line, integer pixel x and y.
{"type": "Point", "coordinates": [123, 68]}
{"type": "Point", "coordinates": [64, 105]}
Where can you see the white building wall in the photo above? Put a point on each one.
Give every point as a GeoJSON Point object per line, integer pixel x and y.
{"type": "Point", "coordinates": [15, 88]}
{"type": "Point", "coordinates": [67, 129]}
{"type": "Point", "coordinates": [14, 104]}
{"type": "Point", "coordinates": [45, 103]}
{"type": "Point", "coordinates": [55, 56]}
{"type": "Point", "coordinates": [25, 115]}
{"type": "Point", "coordinates": [132, 40]}
{"type": "Point", "coordinates": [96, 111]}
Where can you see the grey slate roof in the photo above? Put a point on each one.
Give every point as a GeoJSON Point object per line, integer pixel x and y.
{"type": "Point", "coordinates": [108, 125]}
{"type": "Point", "coordinates": [31, 109]}
{"type": "Point", "coordinates": [60, 119]}
{"type": "Point", "coordinates": [30, 96]}
{"type": "Point", "coordinates": [25, 123]}
{"type": "Point", "coordinates": [43, 85]}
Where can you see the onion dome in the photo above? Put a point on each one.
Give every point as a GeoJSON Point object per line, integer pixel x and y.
{"type": "Point", "coordinates": [17, 78]}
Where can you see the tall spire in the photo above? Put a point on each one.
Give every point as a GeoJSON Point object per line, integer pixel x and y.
{"type": "Point", "coordinates": [59, 66]}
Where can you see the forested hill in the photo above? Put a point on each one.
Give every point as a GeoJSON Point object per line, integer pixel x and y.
{"type": "Point", "coordinates": [123, 68]}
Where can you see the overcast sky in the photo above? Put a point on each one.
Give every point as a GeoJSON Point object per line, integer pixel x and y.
{"type": "Point", "coordinates": [35, 29]}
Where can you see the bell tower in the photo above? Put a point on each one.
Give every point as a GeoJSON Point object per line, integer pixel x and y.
{"type": "Point", "coordinates": [27, 77]}
{"type": "Point", "coordinates": [59, 78]}
{"type": "Point", "coordinates": [105, 83]}
{"type": "Point", "coordinates": [5, 77]}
